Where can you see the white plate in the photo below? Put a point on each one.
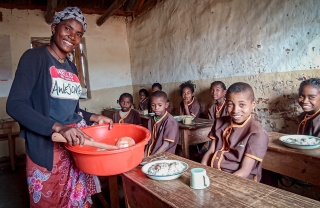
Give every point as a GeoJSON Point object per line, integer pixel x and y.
{"type": "Point", "coordinates": [146, 167]}
{"type": "Point", "coordinates": [181, 117]}
{"type": "Point", "coordinates": [296, 141]}
{"type": "Point", "coordinates": [117, 108]}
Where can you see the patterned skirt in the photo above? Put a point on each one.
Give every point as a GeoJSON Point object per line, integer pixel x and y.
{"type": "Point", "coordinates": [64, 186]}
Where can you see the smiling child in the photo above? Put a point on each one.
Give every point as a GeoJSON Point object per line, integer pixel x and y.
{"type": "Point", "coordinates": [164, 128]}
{"type": "Point", "coordinates": [144, 100]}
{"type": "Point", "coordinates": [239, 143]}
{"type": "Point", "coordinates": [189, 105]}
{"type": "Point", "coordinates": [126, 114]}
{"type": "Point", "coordinates": [309, 100]}
{"type": "Point", "coordinates": [219, 108]}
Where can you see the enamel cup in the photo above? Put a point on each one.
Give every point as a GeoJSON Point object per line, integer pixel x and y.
{"type": "Point", "coordinates": [199, 178]}
{"type": "Point", "coordinates": [187, 120]}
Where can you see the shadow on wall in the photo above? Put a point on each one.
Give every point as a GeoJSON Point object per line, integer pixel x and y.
{"type": "Point", "coordinates": [205, 100]}
{"type": "Point", "coordinates": [175, 99]}
{"type": "Point", "coordinates": [279, 114]}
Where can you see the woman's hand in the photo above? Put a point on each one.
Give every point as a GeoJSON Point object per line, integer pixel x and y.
{"type": "Point", "coordinates": [73, 135]}
{"type": "Point", "coordinates": [100, 119]}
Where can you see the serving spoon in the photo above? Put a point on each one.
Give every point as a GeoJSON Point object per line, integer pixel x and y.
{"type": "Point", "coordinates": [57, 137]}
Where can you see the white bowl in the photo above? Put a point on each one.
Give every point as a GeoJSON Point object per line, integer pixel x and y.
{"type": "Point", "coordinates": [181, 117]}
{"type": "Point", "coordinates": [151, 114]}
{"type": "Point", "coordinates": [296, 141]}
{"type": "Point", "coordinates": [178, 118]}
{"type": "Point", "coordinates": [146, 167]}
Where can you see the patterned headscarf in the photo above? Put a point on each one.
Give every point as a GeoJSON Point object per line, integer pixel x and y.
{"type": "Point", "coordinates": [70, 13]}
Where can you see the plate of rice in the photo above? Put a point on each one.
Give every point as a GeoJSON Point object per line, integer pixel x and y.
{"type": "Point", "coordinates": [181, 117]}
{"type": "Point", "coordinates": [165, 169]}
{"type": "Point", "coordinates": [300, 141]}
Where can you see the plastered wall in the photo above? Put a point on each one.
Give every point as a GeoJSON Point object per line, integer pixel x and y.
{"type": "Point", "coordinates": [107, 51]}
{"type": "Point", "coordinates": [273, 45]}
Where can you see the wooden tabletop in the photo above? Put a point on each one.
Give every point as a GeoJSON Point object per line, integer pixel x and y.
{"type": "Point", "coordinates": [225, 190]}
{"type": "Point", "coordinates": [197, 123]}
{"type": "Point", "coordinates": [276, 145]}
{"type": "Point", "coordinates": [300, 164]}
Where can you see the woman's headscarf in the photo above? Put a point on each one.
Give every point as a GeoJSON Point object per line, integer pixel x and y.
{"type": "Point", "coordinates": [70, 13]}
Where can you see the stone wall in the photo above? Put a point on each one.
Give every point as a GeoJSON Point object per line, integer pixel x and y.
{"type": "Point", "coordinates": [271, 44]}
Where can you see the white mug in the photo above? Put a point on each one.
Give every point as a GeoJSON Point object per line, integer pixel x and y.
{"type": "Point", "coordinates": [199, 178]}
{"type": "Point", "coordinates": [187, 120]}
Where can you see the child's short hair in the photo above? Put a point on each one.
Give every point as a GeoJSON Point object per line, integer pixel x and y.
{"type": "Point", "coordinates": [127, 95]}
{"type": "Point", "coordinates": [144, 91]}
{"type": "Point", "coordinates": [157, 85]}
{"type": "Point", "coordinates": [160, 94]}
{"type": "Point", "coordinates": [186, 84]}
{"type": "Point", "coordinates": [218, 83]}
{"type": "Point", "coordinates": [241, 87]}
{"type": "Point", "coordinates": [312, 81]}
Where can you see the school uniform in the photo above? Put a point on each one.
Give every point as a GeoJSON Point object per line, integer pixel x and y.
{"type": "Point", "coordinates": [234, 142]}
{"type": "Point", "coordinates": [132, 117]}
{"type": "Point", "coordinates": [309, 124]}
{"type": "Point", "coordinates": [216, 111]}
{"type": "Point", "coordinates": [144, 105]}
{"type": "Point", "coordinates": [194, 108]}
{"type": "Point", "coordinates": [165, 129]}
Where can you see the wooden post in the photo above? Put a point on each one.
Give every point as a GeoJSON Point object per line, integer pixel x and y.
{"type": "Point", "coordinates": [51, 8]}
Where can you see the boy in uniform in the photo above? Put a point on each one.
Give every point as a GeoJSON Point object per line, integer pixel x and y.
{"type": "Point", "coordinates": [309, 100]}
{"type": "Point", "coordinates": [163, 127]}
{"type": "Point", "coordinates": [239, 143]}
{"type": "Point", "coordinates": [144, 100]}
{"type": "Point", "coordinates": [126, 114]}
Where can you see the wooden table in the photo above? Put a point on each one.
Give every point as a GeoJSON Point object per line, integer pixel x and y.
{"type": "Point", "coordinates": [194, 134]}
{"type": "Point", "coordinates": [303, 165]}
{"type": "Point", "coordinates": [9, 130]}
{"type": "Point", "coordinates": [225, 190]}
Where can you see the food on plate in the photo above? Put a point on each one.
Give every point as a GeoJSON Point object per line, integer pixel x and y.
{"type": "Point", "coordinates": [166, 168]}
{"type": "Point", "coordinates": [301, 141]}
{"type": "Point", "coordinates": [125, 142]}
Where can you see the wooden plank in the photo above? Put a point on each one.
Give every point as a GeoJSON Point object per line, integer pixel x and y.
{"type": "Point", "coordinates": [115, 6]}
{"type": "Point", "coordinates": [303, 165]}
{"type": "Point", "coordinates": [51, 8]}
{"type": "Point", "coordinates": [113, 189]}
{"type": "Point", "coordinates": [225, 190]}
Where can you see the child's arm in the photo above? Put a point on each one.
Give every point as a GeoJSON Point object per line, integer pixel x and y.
{"type": "Point", "coordinates": [246, 167]}
{"type": "Point", "coordinates": [186, 107]}
{"type": "Point", "coordinates": [163, 147]}
{"type": "Point", "coordinates": [209, 153]}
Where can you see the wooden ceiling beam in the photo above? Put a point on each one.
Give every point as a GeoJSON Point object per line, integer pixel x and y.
{"type": "Point", "coordinates": [51, 9]}
{"type": "Point", "coordinates": [114, 7]}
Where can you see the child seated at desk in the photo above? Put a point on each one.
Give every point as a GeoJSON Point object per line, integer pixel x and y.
{"type": "Point", "coordinates": [144, 100]}
{"type": "Point", "coordinates": [163, 127]}
{"type": "Point", "coordinates": [219, 108]}
{"type": "Point", "coordinates": [156, 87]}
{"type": "Point", "coordinates": [126, 114]}
{"type": "Point", "coordinates": [189, 105]}
{"type": "Point", "coordinates": [239, 142]}
{"type": "Point", "coordinates": [309, 100]}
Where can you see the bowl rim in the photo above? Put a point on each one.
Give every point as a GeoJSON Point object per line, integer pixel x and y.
{"type": "Point", "coordinates": [146, 166]}
{"type": "Point", "coordinates": [75, 149]}
{"type": "Point", "coordinates": [282, 139]}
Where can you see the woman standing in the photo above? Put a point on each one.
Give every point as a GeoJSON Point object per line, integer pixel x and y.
{"type": "Point", "coordinates": [44, 99]}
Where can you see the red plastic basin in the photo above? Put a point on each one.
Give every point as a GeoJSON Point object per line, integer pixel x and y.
{"type": "Point", "coordinates": [111, 162]}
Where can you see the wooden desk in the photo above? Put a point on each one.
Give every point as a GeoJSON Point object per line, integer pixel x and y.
{"type": "Point", "coordinates": [225, 190]}
{"type": "Point", "coordinates": [194, 134]}
{"type": "Point", "coordinates": [9, 130]}
{"type": "Point", "coordinates": [303, 165]}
